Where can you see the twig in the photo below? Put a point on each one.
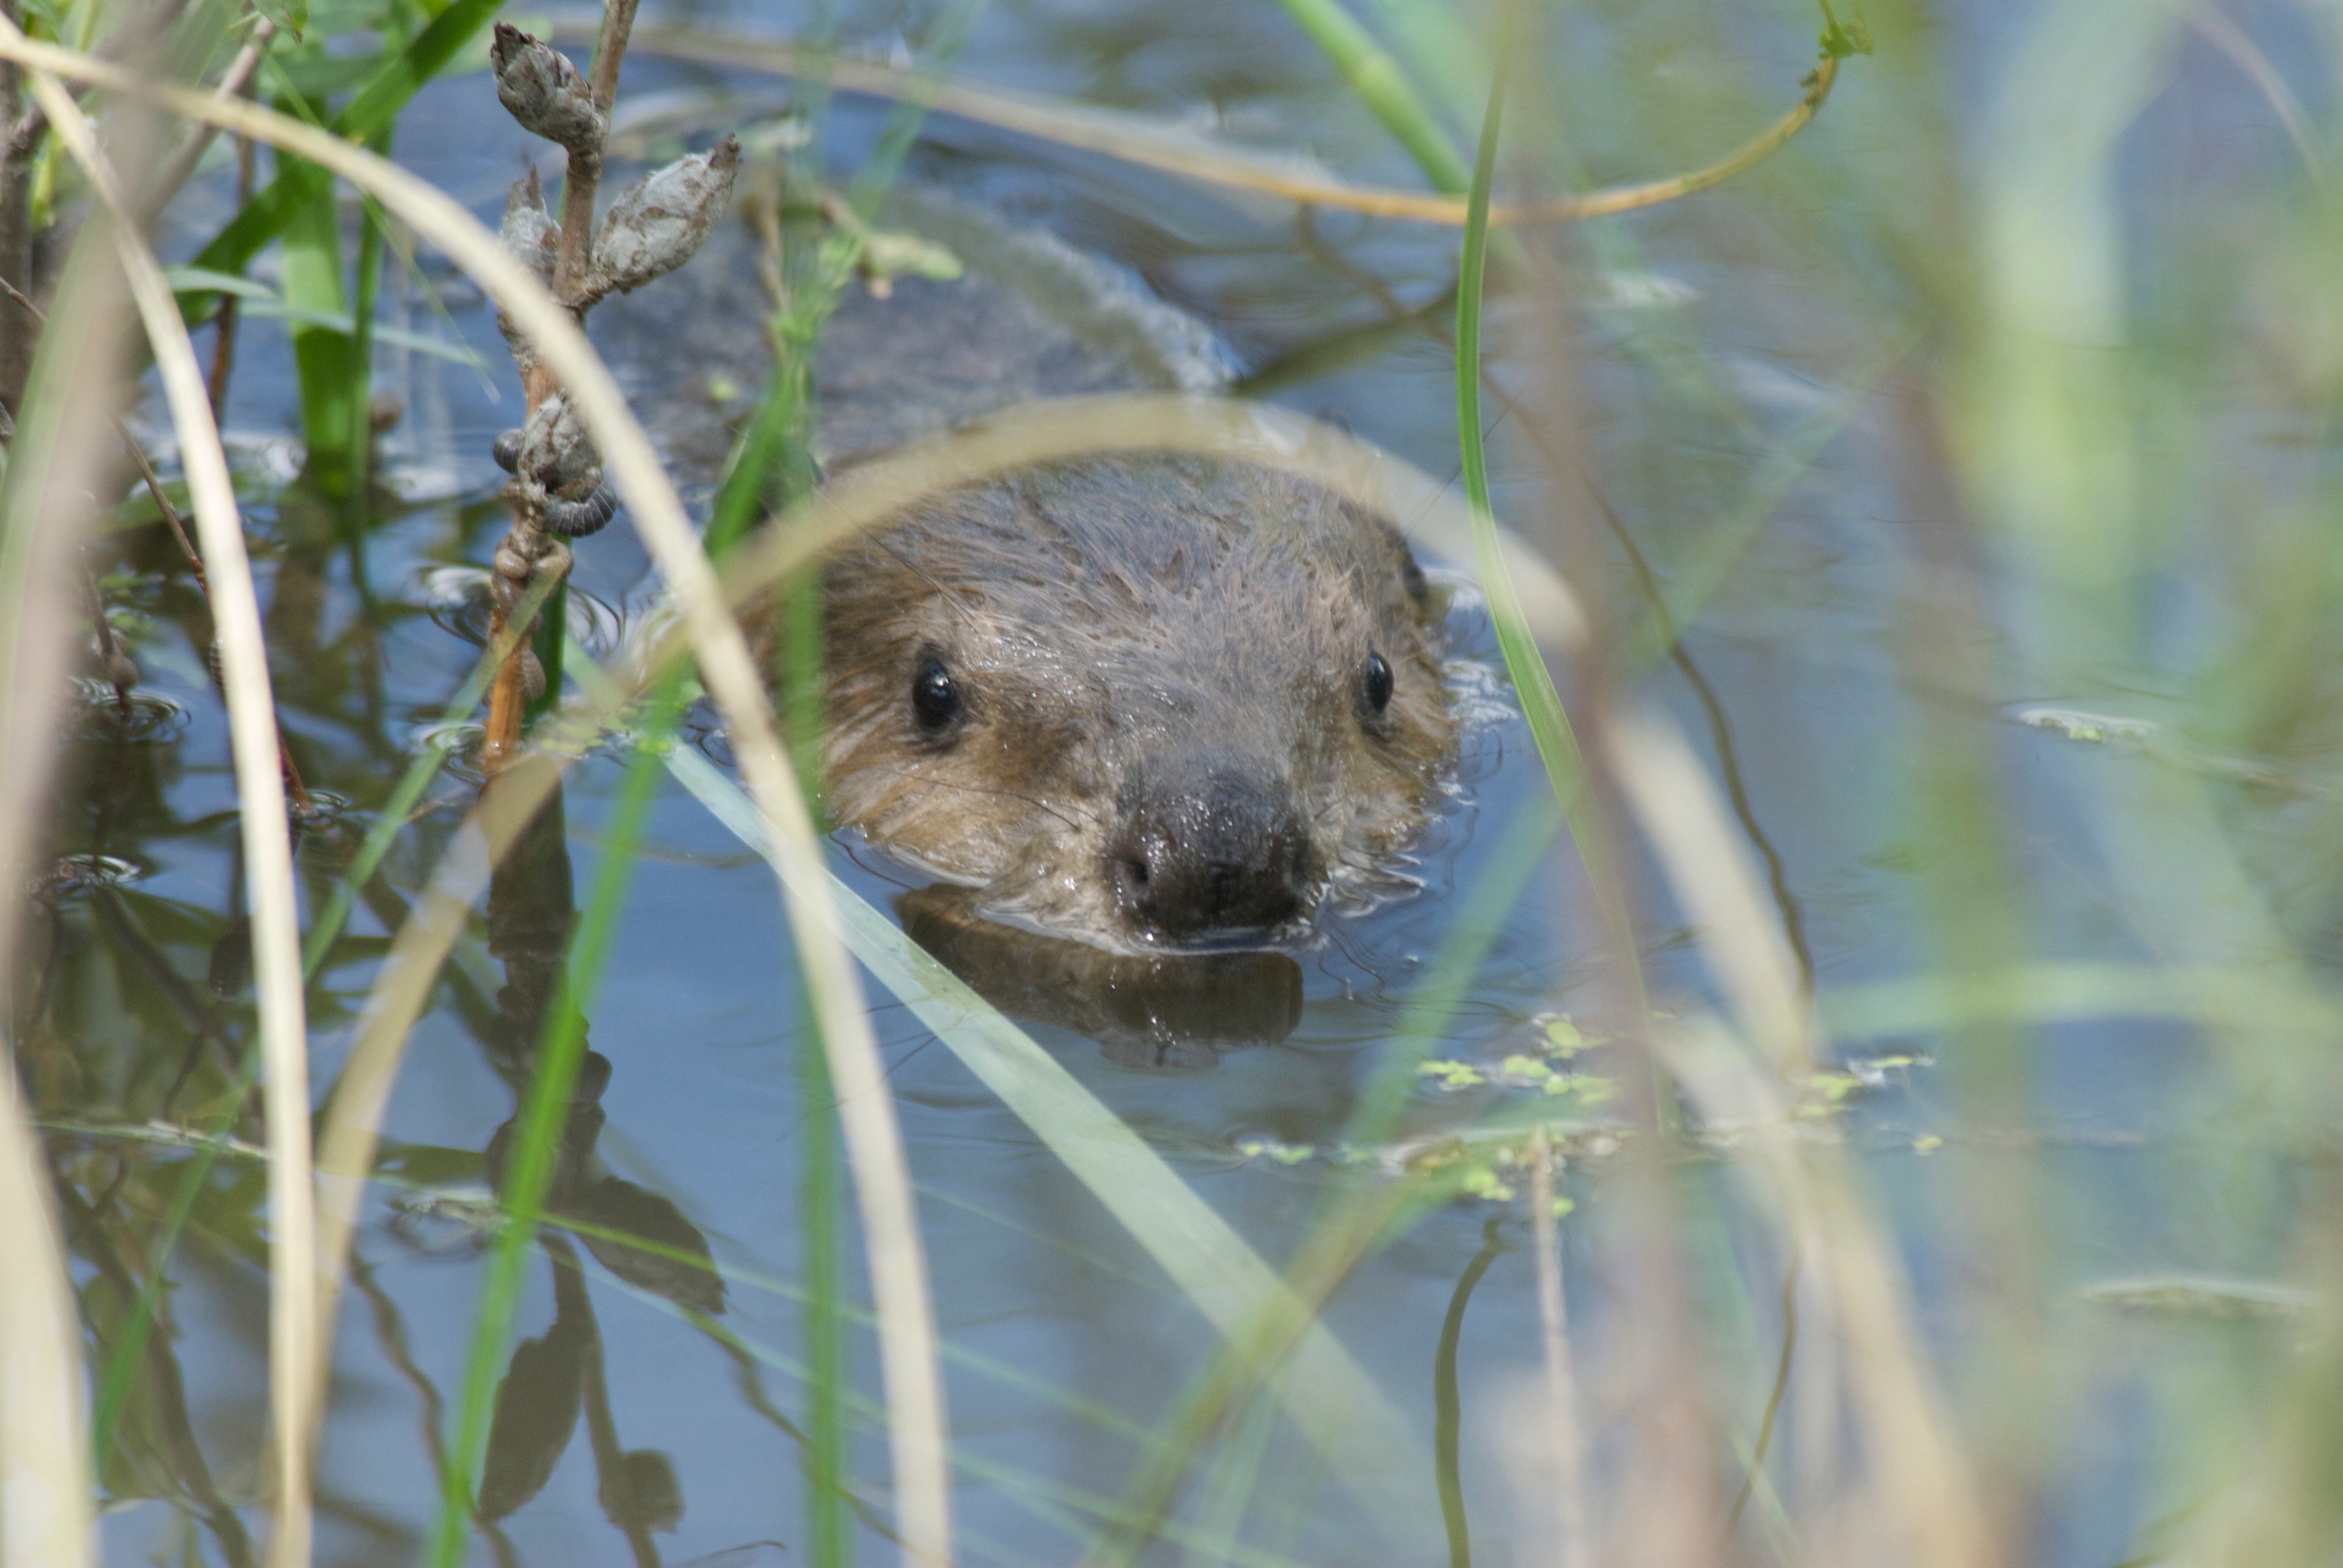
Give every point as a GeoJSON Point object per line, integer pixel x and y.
{"type": "Point", "coordinates": [585, 173]}
{"type": "Point", "coordinates": [119, 670]}
{"type": "Point", "coordinates": [223, 320]}
{"type": "Point", "coordinates": [527, 546]}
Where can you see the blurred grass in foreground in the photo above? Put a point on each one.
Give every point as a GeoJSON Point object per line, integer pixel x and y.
{"type": "Point", "coordinates": [2094, 433]}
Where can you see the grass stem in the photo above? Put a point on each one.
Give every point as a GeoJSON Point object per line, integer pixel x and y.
{"type": "Point", "coordinates": [1376, 79]}
{"type": "Point", "coordinates": [267, 832]}
{"type": "Point", "coordinates": [536, 1142]}
{"type": "Point", "coordinates": [1151, 143]}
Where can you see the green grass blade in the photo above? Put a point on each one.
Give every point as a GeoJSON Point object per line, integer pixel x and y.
{"type": "Point", "coordinates": [772, 465]}
{"type": "Point", "coordinates": [1384, 88]}
{"type": "Point", "coordinates": [770, 462]}
{"type": "Point", "coordinates": [903, 121]}
{"type": "Point", "coordinates": [360, 434]}
{"type": "Point", "coordinates": [1328, 1396]}
{"type": "Point", "coordinates": [367, 115]}
{"type": "Point", "coordinates": [829, 1453]}
{"type": "Point", "coordinates": [325, 361]}
{"type": "Point", "coordinates": [1542, 707]}
{"type": "Point", "coordinates": [529, 1170]}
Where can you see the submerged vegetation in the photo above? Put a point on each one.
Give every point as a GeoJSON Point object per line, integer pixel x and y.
{"type": "Point", "coordinates": [1858, 1083]}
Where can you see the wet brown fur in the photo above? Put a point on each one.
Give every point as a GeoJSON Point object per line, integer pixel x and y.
{"type": "Point", "coordinates": [1099, 617]}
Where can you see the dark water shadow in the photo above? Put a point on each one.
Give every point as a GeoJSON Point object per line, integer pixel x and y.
{"type": "Point", "coordinates": [1175, 1013]}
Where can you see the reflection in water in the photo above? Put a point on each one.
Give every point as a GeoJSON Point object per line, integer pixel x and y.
{"type": "Point", "coordinates": [1174, 1013]}
{"type": "Point", "coordinates": [637, 1234]}
{"type": "Point", "coordinates": [174, 1464]}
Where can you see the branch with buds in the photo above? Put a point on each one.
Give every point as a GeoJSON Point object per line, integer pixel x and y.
{"type": "Point", "coordinates": [557, 489]}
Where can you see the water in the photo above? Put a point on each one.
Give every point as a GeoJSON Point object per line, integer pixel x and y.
{"type": "Point", "coordinates": [1716, 335]}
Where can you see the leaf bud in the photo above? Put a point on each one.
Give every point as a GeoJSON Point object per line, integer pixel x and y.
{"type": "Point", "coordinates": [545, 92]}
{"type": "Point", "coordinates": [530, 237]}
{"type": "Point", "coordinates": [660, 220]}
{"type": "Point", "coordinates": [528, 234]}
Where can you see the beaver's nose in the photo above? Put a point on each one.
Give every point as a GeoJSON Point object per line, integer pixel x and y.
{"type": "Point", "coordinates": [1212, 851]}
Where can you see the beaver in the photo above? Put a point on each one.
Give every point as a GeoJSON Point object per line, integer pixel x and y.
{"type": "Point", "coordinates": [1149, 702]}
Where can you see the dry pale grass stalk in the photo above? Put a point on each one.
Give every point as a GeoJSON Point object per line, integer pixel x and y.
{"type": "Point", "coordinates": [2216, 29]}
{"type": "Point", "coordinates": [1053, 429]}
{"type": "Point", "coordinates": [1918, 1466]}
{"type": "Point", "coordinates": [1708, 865]}
{"type": "Point", "coordinates": [267, 831]}
{"type": "Point", "coordinates": [1567, 1444]}
{"type": "Point", "coordinates": [54, 464]}
{"type": "Point", "coordinates": [351, 1126]}
{"type": "Point", "coordinates": [45, 1491]}
{"type": "Point", "coordinates": [1916, 1472]}
{"type": "Point", "coordinates": [914, 1391]}
{"type": "Point", "coordinates": [1175, 150]}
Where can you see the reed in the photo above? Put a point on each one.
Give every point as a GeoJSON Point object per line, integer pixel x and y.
{"type": "Point", "coordinates": [43, 499]}
{"type": "Point", "coordinates": [1153, 142]}
{"type": "Point", "coordinates": [267, 832]}
{"type": "Point", "coordinates": [1744, 1332]}
{"type": "Point", "coordinates": [41, 1409]}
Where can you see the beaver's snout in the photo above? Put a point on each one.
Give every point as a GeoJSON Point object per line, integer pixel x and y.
{"type": "Point", "coordinates": [1211, 850]}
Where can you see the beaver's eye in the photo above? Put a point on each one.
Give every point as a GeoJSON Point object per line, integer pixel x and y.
{"type": "Point", "coordinates": [1379, 682]}
{"type": "Point", "coordinates": [935, 700]}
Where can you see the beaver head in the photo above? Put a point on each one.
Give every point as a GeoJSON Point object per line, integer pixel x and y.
{"type": "Point", "coordinates": [1155, 701]}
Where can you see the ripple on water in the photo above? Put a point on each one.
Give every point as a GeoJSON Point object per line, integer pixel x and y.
{"type": "Point", "coordinates": [70, 875]}
{"type": "Point", "coordinates": [137, 718]}
{"type": "Point", "coordinates": [463, 737]}
{"type": "Point", "coordinates": [456, 600]}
